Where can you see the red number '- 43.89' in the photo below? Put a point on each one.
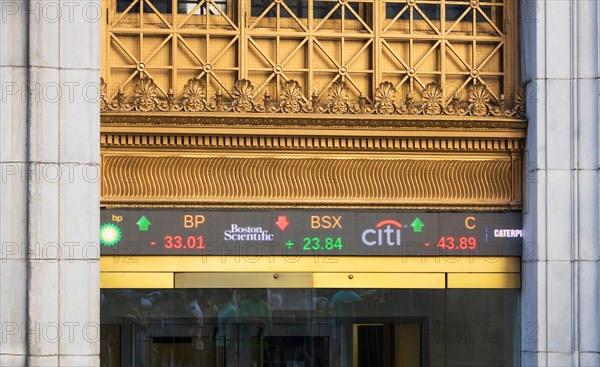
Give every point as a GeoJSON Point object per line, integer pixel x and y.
{"type": "Point", "coordinates": [460, 243]}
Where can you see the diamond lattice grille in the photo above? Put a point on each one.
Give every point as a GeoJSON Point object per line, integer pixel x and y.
{"type": "Point", "coordinates": [318, 43]}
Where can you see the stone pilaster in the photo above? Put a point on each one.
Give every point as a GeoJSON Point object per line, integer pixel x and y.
{"type": "Point", "coordinates": [50, 186]}
{"type": "Point", "coordinates": [13, 190]}
{"type": "Point", "coordinates": [561, 261]}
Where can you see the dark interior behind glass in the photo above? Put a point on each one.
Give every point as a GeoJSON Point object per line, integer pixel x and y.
{"type": "Point", "coordinates": [309, 327]}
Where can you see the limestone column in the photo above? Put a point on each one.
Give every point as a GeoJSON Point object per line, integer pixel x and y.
{"type": "Point", "coordinates": [560, 296]}
{"type": "Point", "coordinates": [13, 190]}
{"type": "Point", "coordinates": [49, 205]}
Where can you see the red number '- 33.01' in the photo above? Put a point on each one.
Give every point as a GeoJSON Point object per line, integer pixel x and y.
{"type": "Point", "coordinates": [191, 242]}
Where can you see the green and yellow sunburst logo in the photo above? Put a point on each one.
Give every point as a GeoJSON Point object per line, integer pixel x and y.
{"type": "Point", "coordinates": [110, 234]}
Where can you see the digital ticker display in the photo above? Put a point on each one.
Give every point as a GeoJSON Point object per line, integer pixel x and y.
{"type": "Point", "coordinates": [295, 232]}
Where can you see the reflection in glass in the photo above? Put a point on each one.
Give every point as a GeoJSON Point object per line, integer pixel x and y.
{"type": "Point", "coordinates": [215, 7]}
{"type": "Point", "coordinates": [432, 12]}
{"type": "Point", "coordinates": [309, 327]}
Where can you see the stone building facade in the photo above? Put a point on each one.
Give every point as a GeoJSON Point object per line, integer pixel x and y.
{"type": "Point", "coordinates": [50, 135]}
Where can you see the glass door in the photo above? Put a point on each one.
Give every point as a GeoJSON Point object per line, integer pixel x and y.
{"type": "Point", "coordinates": [388, 345]}
{"type": "Point", "coordinates": [309, 327]}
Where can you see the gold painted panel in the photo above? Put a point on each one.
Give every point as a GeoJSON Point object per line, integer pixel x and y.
{"type": "Point", "coordinates": [479, 280]}
{"type": "Point", "coordinates": [310, 280]}
{"type": "Point", "coordinates": [350, 279]}
{"type": "Point", "coordinates": [127, 279]}
{"type": "Point", "coordinates": [380, 280]}
{"type": "Point", "coordinates": [310, 264]}
{"type": "Point", "coordinates": [296, 180]}
{"type": "Point", "coordinates": [243, 280]}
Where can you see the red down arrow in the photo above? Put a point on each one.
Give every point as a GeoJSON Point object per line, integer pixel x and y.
{"type": "Point", "coordinates": [282, 222]}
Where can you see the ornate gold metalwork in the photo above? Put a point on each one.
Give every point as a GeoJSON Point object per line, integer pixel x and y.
{"type": "Point", "coordinates": [385, 97]}
{"type": "Point", "coordinates": [371, 103]}
{"type": "Point", "coordinates": [266, 143]}
{"type": "Point", "coordinates": [479, 100]}
{"type": "Point", "coordinates": [291, 98]}
{"type": "Point", "coordinates": [327, 47]}
{"type": "Point", "coordinates": [278, 180]}
{"type": "Point", "coordinates": [145, 96]}
{"type": "Point", "coordinates": [103, 99]}
{"type": "Point", "coordinates": [337, 100]}
{"type": "Point", "coordinates": [385, 122]}
{"type": "Point", "coordinates": [194, 96]}
{"type": "Point", "coordinates": [243, 97]}
{"type": "Point", "coordinates": [432, 100]}
{"type": "Point", "coordinates": [479, 103]}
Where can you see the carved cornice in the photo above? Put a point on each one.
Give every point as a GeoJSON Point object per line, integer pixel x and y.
{"type": "Point", "coordinates": [486, 207]}
{"type": "Point", "coordinates": [330, 153]}
{"type": "Point", "coordinates": [269, 143]}
{"type": "Point", "coordinates": [309, 181]}
{"type": "Point", "coordinates": [145, 98]}
{"type": "Point", "coordinates": [181, 119]}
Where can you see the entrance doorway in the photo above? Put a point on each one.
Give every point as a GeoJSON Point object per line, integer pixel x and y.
{"type": "Point", "coordinates": [308, 327]}
{"type": "Point", "coordinates": [388, 345]}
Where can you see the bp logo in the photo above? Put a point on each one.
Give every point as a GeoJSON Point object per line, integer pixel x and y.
{"type": "Point", "coordinates": [110, 234]}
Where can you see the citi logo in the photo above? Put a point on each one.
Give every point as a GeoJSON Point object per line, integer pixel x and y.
{"type": "Point", "coordinates": [386, 232]}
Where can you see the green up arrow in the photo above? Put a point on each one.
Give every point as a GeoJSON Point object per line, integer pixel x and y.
{"type": "Point", "coordinates": [143, 223]}
{"type": "Point", "coordinates": [417, 225]}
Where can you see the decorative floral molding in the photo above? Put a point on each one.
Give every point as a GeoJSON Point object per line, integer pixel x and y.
{"type": "Point", "coordinates": [145, 98]}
